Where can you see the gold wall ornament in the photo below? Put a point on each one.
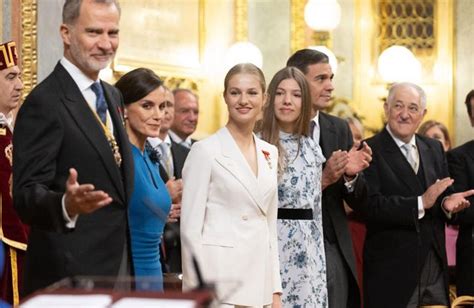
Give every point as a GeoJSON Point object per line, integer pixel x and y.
{"type": "Point", "coordinates": [410, 23]}
{"type": "Point", "coordinates": [1, 23]}
{"type": "Point", "coordinates": [170, 81]}
{"type": "Point", "coordinates": [184, 83]}
{"type": "Point", "coordinates": [297, 25]}
{"type": "Point", "coordinates": [303, 36]}
{"type": "Point", "coordinates": [434, 50]}
{"type": "Point", "coordinates": [29, 56]}
{"type": "Point", "coordinates": [241, 27]}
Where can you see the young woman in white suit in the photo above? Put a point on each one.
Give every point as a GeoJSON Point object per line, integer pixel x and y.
{"type": "Point", "coordinates": [229, 205]}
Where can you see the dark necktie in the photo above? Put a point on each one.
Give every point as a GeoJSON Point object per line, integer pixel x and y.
{"type": "Point", "coordinates": [100, 103]}
{"type": "Point", "coordinates": [314, 131]}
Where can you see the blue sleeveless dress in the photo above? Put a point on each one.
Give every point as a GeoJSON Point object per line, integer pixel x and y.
{"type": "Point", "coordinates": [148, 211]}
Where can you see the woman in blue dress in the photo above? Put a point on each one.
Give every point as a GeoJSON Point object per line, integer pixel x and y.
{"type": "Point", "coordinates": [144, 98]}
{"type": "Point", "coordinates": [286, 121]}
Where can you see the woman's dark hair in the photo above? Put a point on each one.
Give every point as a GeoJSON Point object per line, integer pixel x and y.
{"type": "Point", "coordinates": [137, 84]}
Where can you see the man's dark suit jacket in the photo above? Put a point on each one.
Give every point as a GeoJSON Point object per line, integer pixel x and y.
{"type": "Point", "coordinates": [56, 130]}
{"type": "Point", "coordinates": [179, 154]}
{"type": "Point", "coordinates": [392, 247]}
{"type": "Point", "coordinates": [461, 168]}
{"type": "Point", "coordinates": [336, 135]}
{"type": "Point", "coordinates": [171, 233]}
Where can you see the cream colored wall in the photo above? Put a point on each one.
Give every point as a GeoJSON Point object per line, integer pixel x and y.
{"type": "Point", "coordinates": [49, 43]}
{"type": "Point", "coordinates": [464, 68]}
{"type": "Point", "coordinates": [219, 36]}
{"type": "Point", "coordinates": [269, 29]}
{"type": "Point", "coordinates": [343, 47]}
{"type": "Point", "coordinates": [218, 23]}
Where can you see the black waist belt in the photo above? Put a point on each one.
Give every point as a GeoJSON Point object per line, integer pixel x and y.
{"type": "Point", "coordinates": [295, 214]}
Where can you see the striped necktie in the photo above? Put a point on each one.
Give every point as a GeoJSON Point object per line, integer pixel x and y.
{"type": "Point", "coordinates": [411, 156]}
{"type": "Point", "coordinates": [166, 158]}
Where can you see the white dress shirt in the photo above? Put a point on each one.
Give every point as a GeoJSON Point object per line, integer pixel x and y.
{"type": "Point", "coordinates": [186, 142]}
{"type": "Point", "coordinates": [316, 133]}
{"type": "Point", "coordinates": [7, 120]}
{"type": "Point", "coordinates": [155, 142]}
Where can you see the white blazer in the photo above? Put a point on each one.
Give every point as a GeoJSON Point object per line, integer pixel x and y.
{"type": "Point", "coordinates": [228, 220]}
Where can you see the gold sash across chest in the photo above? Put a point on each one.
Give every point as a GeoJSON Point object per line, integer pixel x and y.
{"type": "Point", "coordinates": [110, 138]}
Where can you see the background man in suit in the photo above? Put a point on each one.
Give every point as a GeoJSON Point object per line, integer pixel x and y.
{"type": "Point", "coordinates": [340, 181]}
{"type": "Point", "coordinates": [186, 111]}
{"type": "Point", "coordinates": [69, 131]}
{"type": "Point", "coordinates": [405, 215]}
{"type": "Point", "coordinates": [461, 168]}
{"type": "Point", "coordinates": [171, 156]}
{"type": "Point", "coordinates": [13, 233]}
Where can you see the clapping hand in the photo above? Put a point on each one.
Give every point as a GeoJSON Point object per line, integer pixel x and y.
{"type": "Point", "coordinates": [360, 157]}
{"type": "Point", "coordinates": [458, 202]}
{"type": "Point", "coordinates": [175, 189]}
{"type": "Point", "coordinates": [175, 212]}
{"type": "Point", "coordinates": [434, 191]}
{"type": "Point", "coordinates": [334, 168]}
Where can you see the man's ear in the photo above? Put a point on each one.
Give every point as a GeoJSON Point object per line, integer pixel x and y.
{"type": "Point", "coordinates": [65, 31]}
{"type": "Point", "coordinates": [385, 109]}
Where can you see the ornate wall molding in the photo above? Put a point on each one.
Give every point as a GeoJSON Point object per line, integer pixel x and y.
{"type": "Point", "coordinates": [29, 56]}
{"type": "Point", "coordinates": [1, 22]}
{"type": "Point", "coordinates": [298, 26]}
{"type": "Point", "coordinates": [436, 37]}
{"type": "Point", "coordinates": [241, 20]}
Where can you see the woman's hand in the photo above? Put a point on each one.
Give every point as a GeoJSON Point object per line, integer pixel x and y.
{"type": "Point", "coordinates": [175, 212]}
{"type": "Point", "coordinates": [175, 189]}
{"type": "Point", "coordinates": [276, 300]}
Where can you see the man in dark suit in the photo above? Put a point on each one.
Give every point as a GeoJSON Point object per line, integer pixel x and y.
{"type": "Point", "coordinates": [405, 259]}
{"type": "Point", "coordinates": [461, 168]}
{"type": "Point", "coordinates": [171, 161]}
{"type": "Point", "coordinates": [340, 180]}
{"type": "Point", "coordinates": [186, 114]}
{"type": "Point", "coordinates": [73, 170]}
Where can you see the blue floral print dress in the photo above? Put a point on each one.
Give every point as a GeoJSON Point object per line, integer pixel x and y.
{"type": "Point", "coordinates": [301, 242]}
